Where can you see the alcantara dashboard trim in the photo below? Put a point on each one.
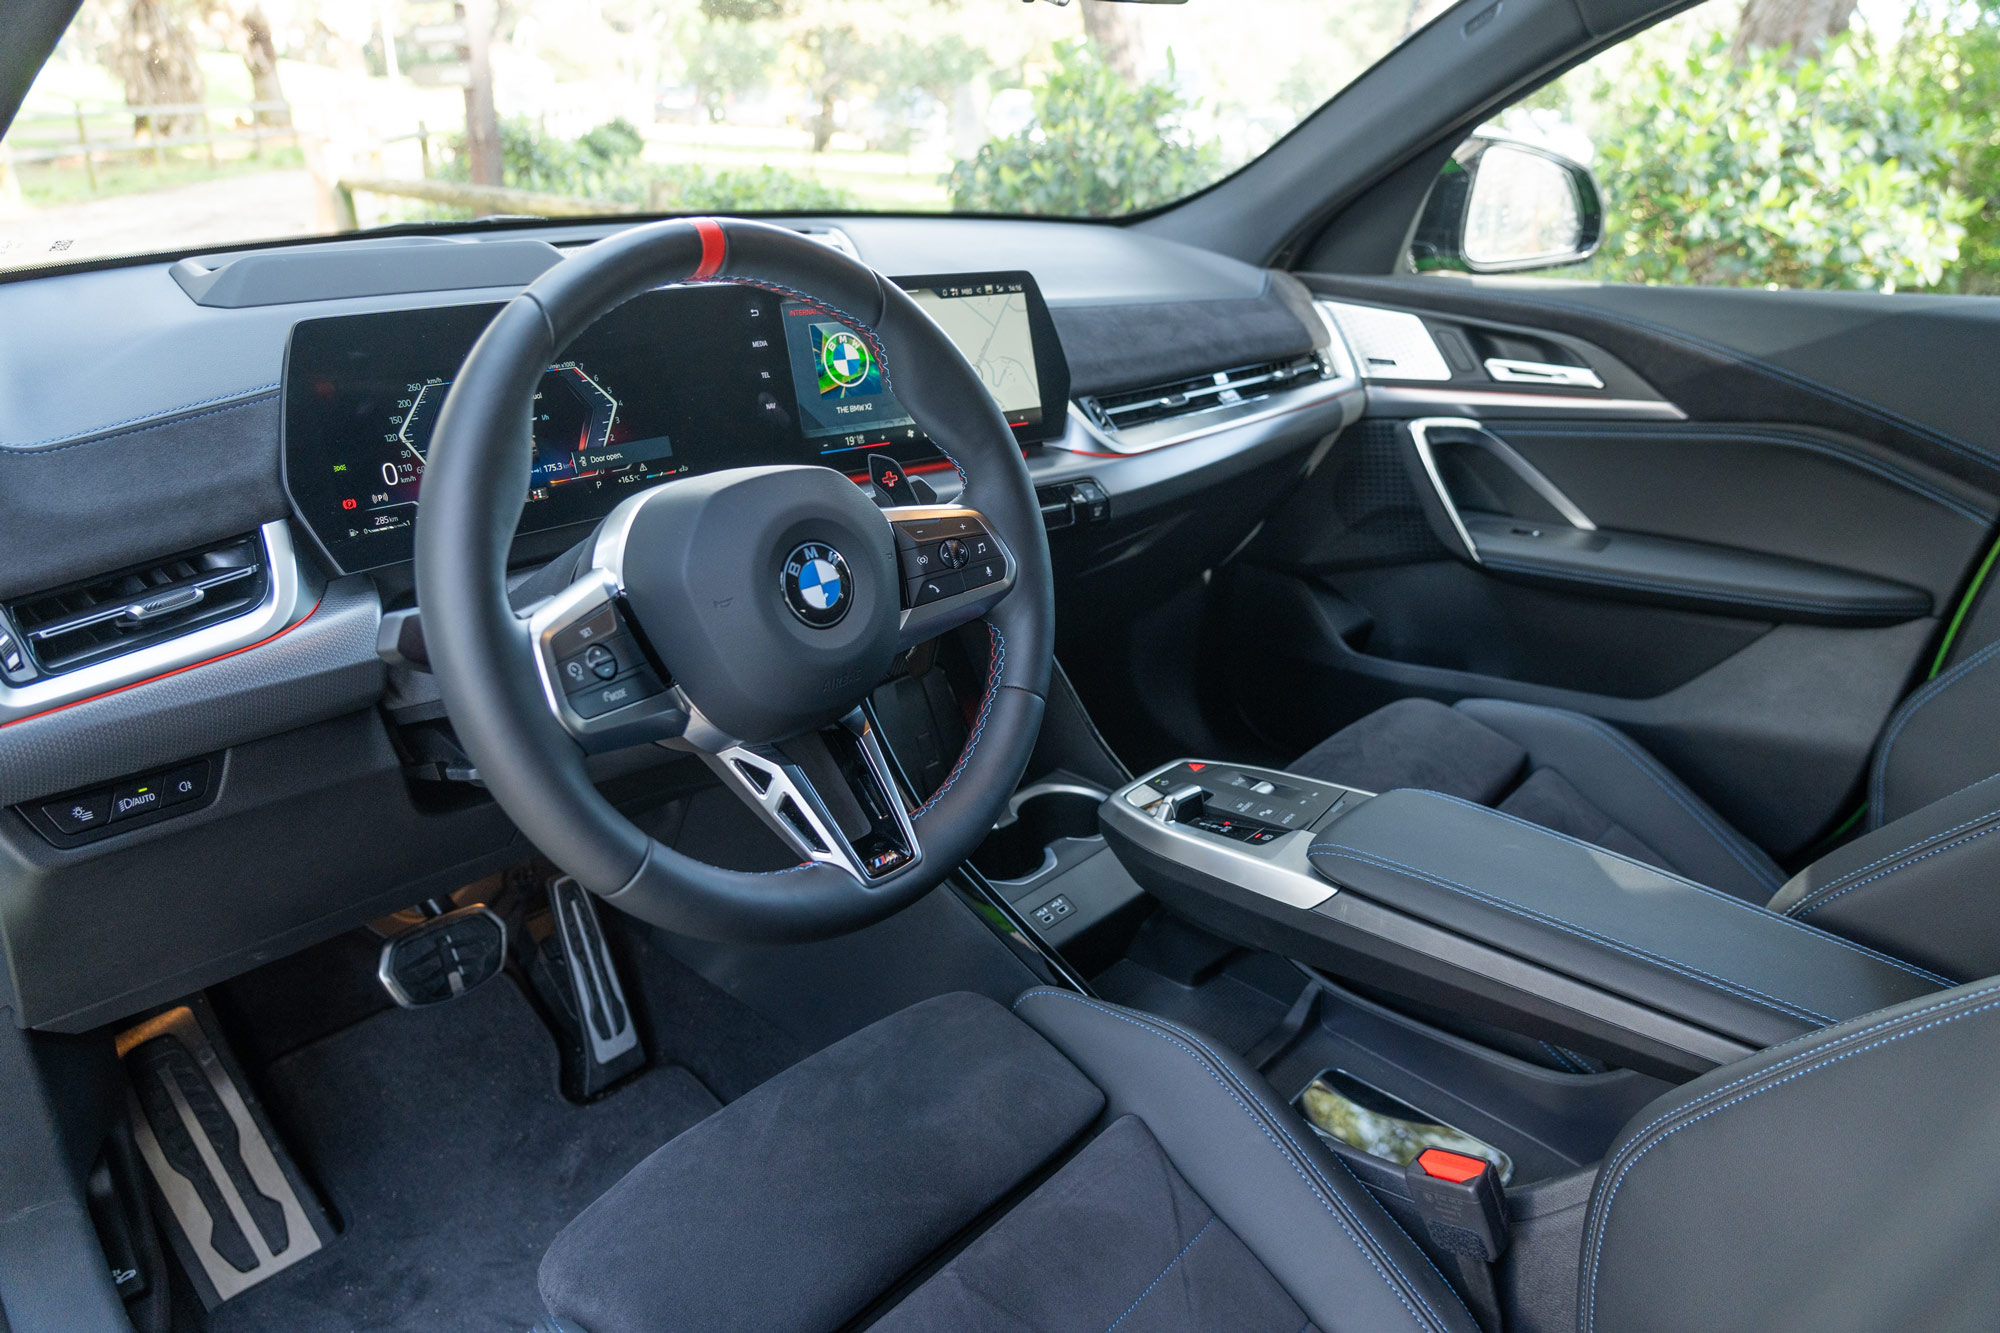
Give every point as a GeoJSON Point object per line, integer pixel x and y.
{"type": "Point", "coordinates": [288, 597]}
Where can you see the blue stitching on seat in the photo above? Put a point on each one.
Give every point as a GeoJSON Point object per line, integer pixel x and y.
{"type": "Point", "coordinates": [1960, 842]}
{"type": "Point", "coordinates": [1906, 481]}
{"type": "Point", "coordinates": [1715, 893]}
{"type": "Point", "coordinates": [1651, 768]}
{"type": "Point", "coordinates": [1716, 594]}
{"type": "Point", "coordinates": [1906, 848]}
{"type": "Point", "coordinates": [1583, 932]}
{"type": "Point", "coordinates": [1602, 1220]}
{"type": "Point", "coordinates": [1878, 781]}
{"type": "Point", "coordinates": [1824, 1042]}
{"type": "Point", "coordinates": [1568, 1066]}
{"type": "Point", "coordinates": [1297, 1163]}
{"type": "Point", "coordinates": [140, 425]}
{"type": "Point", "coordinates": [1278, 1121]}
{"type": "Point", "coordinates": [1163, 1273]}
{"type": "Point", "coordinates": [999, 642]}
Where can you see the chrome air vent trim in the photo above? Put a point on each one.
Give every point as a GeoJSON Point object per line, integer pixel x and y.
{"type": "Point", "coordinates": [1210, 403]}
{"type": "Point", "coordinates": [288, 596]}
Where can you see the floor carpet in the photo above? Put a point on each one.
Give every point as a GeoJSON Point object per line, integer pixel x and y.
{"type": "Point", "coordinates": [450, 1158]}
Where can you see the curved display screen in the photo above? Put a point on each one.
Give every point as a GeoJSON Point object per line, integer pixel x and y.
{"type": "Point", "coordinates": [677, 381]}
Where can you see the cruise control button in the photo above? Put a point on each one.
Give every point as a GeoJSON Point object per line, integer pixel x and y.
{"type": "Point", "coordinates": [79, 814]}
{"type": "Point", "coordinates": [936, 588]}
{"type": "Point", "coordinates": [184, 784]}
{"type": "Point", "coordinates": [602, 699]}
{"type": "Point", "coordinates": [575, 638]}
{"type": "Point", "coordinates": [134, 799]}
{"type": "Point", "coordinates": [598, 663]}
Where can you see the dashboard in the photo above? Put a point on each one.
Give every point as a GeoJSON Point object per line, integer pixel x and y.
{"type": "Point", "coordinates": [149, 418]}
{"type": "Point", "coordinates": [678, 381]}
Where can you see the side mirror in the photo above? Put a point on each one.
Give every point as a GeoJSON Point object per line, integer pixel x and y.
{"type": "Point", "coordinates": [1500, 206]}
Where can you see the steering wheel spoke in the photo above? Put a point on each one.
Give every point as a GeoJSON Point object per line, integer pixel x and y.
{"type": "Point", "coordinates": [831, 794]}
{"type": "Point", "coordinates": [601, 679]}
{"type": "Point", "coordinates": [954, 565]}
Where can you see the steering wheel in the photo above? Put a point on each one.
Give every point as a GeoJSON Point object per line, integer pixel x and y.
{"type": "Point", "coordinates": [745, 614]}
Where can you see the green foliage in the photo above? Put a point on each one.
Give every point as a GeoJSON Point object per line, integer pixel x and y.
{"type": "Point", "coordinates": [1955, 66]}
{"type": "Point", "coordinates": [724, 60]}
{"type": "Point", "coordinates": [1837, 171]}
{"type": "Point", "coordinates": [1096, 147]}
{"type": "Point", "coordinates": [604, 164]}
{"type": "Point", "coordinates": [765, 190]}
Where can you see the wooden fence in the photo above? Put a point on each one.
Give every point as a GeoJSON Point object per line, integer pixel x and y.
{"type": "Point", "coordinates": [93, 133]}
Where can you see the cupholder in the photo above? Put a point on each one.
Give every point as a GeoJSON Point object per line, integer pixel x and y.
{"type": "Point", "coordinates": [1019, 845]}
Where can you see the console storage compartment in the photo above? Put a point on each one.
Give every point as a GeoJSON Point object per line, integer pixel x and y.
{"type": "Point", "coordinates": [1464, 908]}
{"type": "Point", "coordinates": [1047, 858]}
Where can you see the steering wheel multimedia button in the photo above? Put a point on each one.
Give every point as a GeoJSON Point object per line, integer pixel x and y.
{"type": "Point", "coordinates": [817, 584]}
{"type": "Point", "coordinates": [936, 588]}
{"type": "Point", "coordinates": [952, 553]}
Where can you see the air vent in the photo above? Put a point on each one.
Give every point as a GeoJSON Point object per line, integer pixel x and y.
{"type": "Point", "coordinates": [1200, 393]}
{"type": "Point", "coordinates": [117, 613]}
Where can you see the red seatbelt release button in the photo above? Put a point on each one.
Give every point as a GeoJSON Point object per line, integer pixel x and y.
{"type": "Point", "coordinates": [1461, 1201]}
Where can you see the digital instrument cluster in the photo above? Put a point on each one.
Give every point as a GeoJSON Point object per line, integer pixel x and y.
{"type": "Point", "coordinates": [676, 381]}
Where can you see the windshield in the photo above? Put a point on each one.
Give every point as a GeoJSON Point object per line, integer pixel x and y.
{"type": "Point", "coordinates": [184, 124]}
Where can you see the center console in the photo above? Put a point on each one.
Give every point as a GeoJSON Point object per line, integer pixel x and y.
{"type": "Point", "coordinates": [1461, 908]}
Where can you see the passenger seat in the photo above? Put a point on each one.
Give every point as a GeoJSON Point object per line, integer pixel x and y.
{"type": "Point", "coordinates": [1914, 886]}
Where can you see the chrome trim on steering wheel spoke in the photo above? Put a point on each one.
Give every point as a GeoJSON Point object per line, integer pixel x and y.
{"type": "Point", "coordinates": [919, 624]}
{"type": "Point", "coordinates": [658, 716]}
{"type": "Point", "coordinates": [786, 798]}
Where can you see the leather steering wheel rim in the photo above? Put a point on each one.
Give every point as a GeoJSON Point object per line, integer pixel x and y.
{"type": "Point", "coordinates": [475, 486]}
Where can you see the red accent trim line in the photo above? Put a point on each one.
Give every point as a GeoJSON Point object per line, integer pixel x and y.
{"type": "Point", "coordinates": [165, 674]}
{"type": "Point", "coordinates": [714, 247]}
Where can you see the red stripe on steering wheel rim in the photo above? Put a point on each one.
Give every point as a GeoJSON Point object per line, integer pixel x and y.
{"type": "Point", "coordinates": [714, 247]}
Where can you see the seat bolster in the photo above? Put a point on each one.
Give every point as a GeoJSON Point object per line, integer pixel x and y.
{"type": "Point", "coordinates": [1251, 1157]}
{"type": "Point", "coordinates": [1637, 791]}
{"type": "Point", "coordinates": [1940, 739]}
{"type": "Point", "coordinates": [801, 1201]}
{"type": "Point", "coordinates": [1417, 743]}
{"type": "Point", "coordinates": [1842, 1181]}
{"type": "Point", "coordinates": [1920, 888]}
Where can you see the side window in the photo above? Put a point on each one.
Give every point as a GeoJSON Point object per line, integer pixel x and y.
{"type": "Point", "coordinates": [1761, 144]}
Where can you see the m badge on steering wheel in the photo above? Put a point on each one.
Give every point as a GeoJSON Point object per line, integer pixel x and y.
{"type": "Point", "coordinates": [817, 585]}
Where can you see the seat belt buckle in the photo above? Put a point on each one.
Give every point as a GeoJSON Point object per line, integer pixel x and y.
{"type": "Point", "coordinates": [1461, 1202]}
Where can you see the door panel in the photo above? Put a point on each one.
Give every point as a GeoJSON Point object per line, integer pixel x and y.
{"type": "Point", "coordinates": [1748, 589]}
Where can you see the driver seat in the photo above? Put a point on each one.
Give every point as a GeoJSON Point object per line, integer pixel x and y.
{"type": "Point", "coordinates": [1076, 1165]}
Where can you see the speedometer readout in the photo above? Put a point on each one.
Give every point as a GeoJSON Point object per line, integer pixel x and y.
{"type": "Point", "coordinates": [578, 438]}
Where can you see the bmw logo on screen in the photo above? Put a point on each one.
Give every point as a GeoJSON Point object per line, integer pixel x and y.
{"type": "Point", "coordinates": [817, 585]}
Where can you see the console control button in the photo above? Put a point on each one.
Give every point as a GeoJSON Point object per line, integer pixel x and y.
{"type": "Point", "coordinates": [134, 799]}
{"type": "Point", "coordinates": [184, 784]}
{"type": "Point", "coordinates": [80, 814]}
{"type": "Point", "coordinates": [575, 638]}
{"type": "Point", "coordinates": [601, 698]}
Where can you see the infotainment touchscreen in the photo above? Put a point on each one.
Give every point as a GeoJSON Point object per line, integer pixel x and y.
{"type": "Point", "coordinates": [677, 381]}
